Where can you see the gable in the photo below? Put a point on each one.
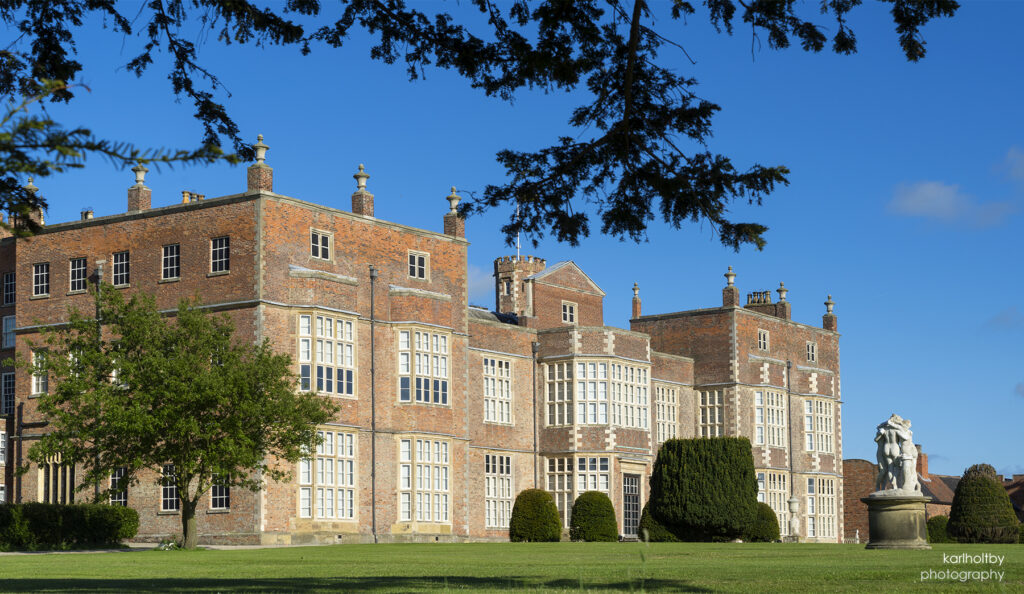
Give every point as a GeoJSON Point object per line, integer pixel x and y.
{"type": "Point", "coordinates": [567, 275]}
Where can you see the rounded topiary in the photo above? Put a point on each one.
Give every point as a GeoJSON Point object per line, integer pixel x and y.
{"type": "Point", "coordinates": [937, 529]}
{"type": "Point", "coordinates": [981, 510]}
{"type": "Point", "coordinates": [651, 530]}
{"type": "Point", "coordinates": [534, 518]}
{"type": "Point", "coordinates": [765, 527]}
{"type": "Point", "coordinates": [593, 518]}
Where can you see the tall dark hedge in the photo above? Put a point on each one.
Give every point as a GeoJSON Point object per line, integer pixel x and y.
{"type": "Point", "coordinates": [937, 529]}
{"type": "Point", "coordinates": [593, 518]}
{"type": "Point", "coordinates": [765, 527]}
{"type": "Point", "coordinates": [1020, 537]}
{"type": "Point", "coordinates": [534, 518]}
{"type": "Point", "coordinates": [704, 489]}
{"type": "Point", "coordinates": [44, 526]}
{"type": "Point", "coordinates": [981, 510]}
{"type": "Point", "coordinates": [650, 530]}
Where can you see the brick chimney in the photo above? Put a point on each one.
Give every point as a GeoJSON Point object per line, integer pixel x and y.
{"type": "Point", "coordinates": [730, 294]}
{"type": "Point", "coordinates": [636, 301]}
{"type": "Point", "coordinates": [454, 224]}
{"type": "Point", "coordinates": [829, 320]}
{"type": "Point", "coordinates": [922, 462]}
{"type": "Point", "coordinates": [260, 176]}
{"type": "Point", "coordinates": [362, 201]}
{"type": "Point", "coordinates": [761, 301]}
{"type": "Point", "coordinates": [139, 196]}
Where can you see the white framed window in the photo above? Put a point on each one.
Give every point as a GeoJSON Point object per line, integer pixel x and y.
{"type": "Point", "coordinates": [559, 390]}
{"type": "Point", "coordinates": [812, 352]}
{"type": "Point", "coordinates": [170, 263]}
{"type": "Point", "coordinates": [7, 393]}
{"type": "Point", "coordinates": [419, 265]}
{"type": "Point", "coordinates": [821, 507]}
{"type": "Point", "coordinates": [8, 332]}
{"type": "Point", "coordinates": [327, 480]}
{"type": "Point", "coordinates": [118, 491]}
{"type": "Point", "coordinates": [9, 288]}
{"type": "Point", "coordinates": [629, 394]}
{"type": "Point", "coordinates": [560, 484]}
{"type": "Point", "coordinates": [169, 490]}
{"type": "Point", "coordinates": [326, 351]}
{"type": "Point", "coordinates": [56, 481]}
{"type": "Point", "coordinates": [665, 408]}
{"type": "Point", "coordinates": [592, 474]}
{"type": "Point", "coordinates": [568, 312]}
{"type": "Point", "coordinates": [320, 245]}
{"type": "Point", "coordinates": [497, 390]}
{"type": "Point", "coordinates": [498, 492]}
{"type": "Point", "coordinates": [770, 419]}
{"type": "Point", "coordinates": [818, 426]}
{"type": "Point", "coordinates": [3, 493]}
{"type": "Point", "coordinates": [78, 274]}
{"type": "Point", "coordinates": [40, 379]}
{"type": "Point", "coordinates": [41, 279]}
{"type": "Point", "coordinates": [220, 495]}
{"type": "Point", "coordinates": [422, 367]}
{"type": "Point", "coordinates": [122, 269]}
{"type": "Point", "coordinates": [591, 393]}
{"type": "Point", "coordinates": [712, 417]}
{"type": "Point", "coordinates": [220, 254]}
{"type": "Point", "coordinates": [3, 447]}
{"type": "Point", "coordinates": [423, 469]}
{"type": "Point", "coordinates": [771, 489]}
{"type": "Point", "coordinates": [763, 340]}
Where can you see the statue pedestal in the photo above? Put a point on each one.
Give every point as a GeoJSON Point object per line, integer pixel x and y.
{"type": "Point", "coordinates": [897, 520]}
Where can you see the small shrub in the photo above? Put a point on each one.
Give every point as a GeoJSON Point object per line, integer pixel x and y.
{"type": "Point", "coordinates": [937, 529]}
{"type": "Point", "coordinates": [981, 510]}
{"type": "Point", "coordinates": [651, 531]}
{"type": "Point", "coordinates": [593, 518]}
{"type": "Point", "coordinates": [534, 518]}
{"type": "Point", "coordinates": [765, 527]}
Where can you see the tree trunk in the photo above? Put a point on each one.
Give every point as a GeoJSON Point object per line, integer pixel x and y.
{"type": "Point", "coordinates": [188, 524]}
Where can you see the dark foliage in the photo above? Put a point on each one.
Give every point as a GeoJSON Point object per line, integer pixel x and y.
{"type": "Point", "coordinates": [651, 531]}
{"type": "Point", "coordinates": [765, 527]}
{"type": "Point", "coordinates": [1020, 536]}
{"type": "Point", "coordinates": [639, 149]}
{"type": "Point", "coordinates": [704, 489]}
{"type": "Point", "coordinates": [44, 526]}
{"type": "Point", "coordinates": [534, 518]}
{"type": "Point", "coordinates": [593, 518]}
{"type": "Point", "coordinates": [981, 510]}
{"type": "Point", "coordinates": [937, 529]}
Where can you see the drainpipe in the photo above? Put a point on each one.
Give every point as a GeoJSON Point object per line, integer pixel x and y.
{"type": "Point", "coordinates": [373, 409]}
{"type": "Point", "coordinates": [536, 348]}
{"type": "Point", "coordinates": [99, 340]}
{"type": "Point", "coordinates": [794, 503]}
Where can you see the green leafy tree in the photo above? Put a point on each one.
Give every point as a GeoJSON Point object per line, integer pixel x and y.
{"type": "Point", "coordinates": [138, 390]}
{"type": "Point", "coordinates": [534, 518]}
{"type": "Point", "coordinates": [593, 518]}
{"type": "Point", "coordinates": [639, 146]}
{"type": "Point", "coordinates": [765, 527]}
{"type": "Point", "coordinates": [981, 510]}
{"type": "Point", "coordinates": [704, 489]}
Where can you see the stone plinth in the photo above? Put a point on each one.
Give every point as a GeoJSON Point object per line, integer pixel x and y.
{"type": "Point", "coordinates": [897, 521]}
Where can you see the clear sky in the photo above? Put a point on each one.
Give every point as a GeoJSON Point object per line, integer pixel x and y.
{"type": "Point", "coordinates": [907, 184]}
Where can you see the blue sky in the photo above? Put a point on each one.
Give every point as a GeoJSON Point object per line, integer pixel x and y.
{"type": "Point", "coordinates": [907, 184]}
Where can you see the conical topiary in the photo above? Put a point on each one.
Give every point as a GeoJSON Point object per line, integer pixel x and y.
{"type": "Point", "coordinates": [981, 510]}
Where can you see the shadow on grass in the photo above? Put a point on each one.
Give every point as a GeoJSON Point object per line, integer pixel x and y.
{"type": "Point", "coordinates": [370, 584]}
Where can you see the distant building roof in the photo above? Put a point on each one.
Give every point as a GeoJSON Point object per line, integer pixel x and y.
{"type": "Point", "coordinates": [940, 488]}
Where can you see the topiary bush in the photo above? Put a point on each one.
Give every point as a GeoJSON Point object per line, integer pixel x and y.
{"type": "Point", "coordinates": [937, 529]}
{"type": "Point", "coordinates": [765, 527]}
{"type": "Point", "coordinates": [651, 530]}
{"type": "Point", "coordinates": [981, 510]}
{"type": "Point", "coordinates": [534, 518]}
{"type": "Point", "coordinates": [704, 489]}
{"type": "Point", "coordinates": [593, 518]}
{"type": "Point", "coordinates": [44, 526]}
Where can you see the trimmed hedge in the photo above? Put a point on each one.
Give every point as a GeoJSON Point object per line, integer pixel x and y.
{"type": "Point", "coordinates": [45, 526]}
{"type": "Point", "coordinates": [651, 531]}
{"type": "Point", "coordinates": [1020, 537]}
{"type": "Point", "coordinates": [937, 529]}
{"type": "Point", "coordinates": [593, 518]}
{"type": "Point", "coordinates": [765, 527]}
{"type": "Point", "coordinates": [704, 489]}
{"type": "Point", "coordinates": [534, 518]}
{"type": "Point", "coordinates": [981, 510]}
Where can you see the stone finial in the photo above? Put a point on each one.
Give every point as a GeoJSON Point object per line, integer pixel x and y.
{"type": "Point", "coordinates": [361, 178]}
{"type": "Point", "coordinates": [636, 291]}
{"type": "Point", "coordinates": [31, 187]}
{"type": "Point", "coordinates": [730, 277]}
{"type": "Point", "coordinates": [782, 290]}
{"type": "Point", "coordinates": [453, 202]}
{"type": "Point", "coordinates": [140, 174]}
{"type": "Point", "coordinates": [186, 196]}
{"type": "Point", "coordinates": [829, 305]}
{"type": "Point", "coordinates": [261, 150]}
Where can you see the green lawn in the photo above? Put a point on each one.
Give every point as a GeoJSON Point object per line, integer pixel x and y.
{"type": "Point", "coordinates": [501, 566]}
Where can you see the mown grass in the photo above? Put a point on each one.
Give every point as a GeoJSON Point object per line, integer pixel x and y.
{"type": "Point", "coordinates": [505, 566]}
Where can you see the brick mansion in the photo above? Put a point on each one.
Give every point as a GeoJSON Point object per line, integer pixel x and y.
{"type": "Point", "coordinates": [469, 406]}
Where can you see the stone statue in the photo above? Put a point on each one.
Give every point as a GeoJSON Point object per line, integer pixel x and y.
{"type": "Point", "coordinates": [897, 457]}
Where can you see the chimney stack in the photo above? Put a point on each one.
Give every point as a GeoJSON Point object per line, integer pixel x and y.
{"type": "Point", "coordinates": [87, 213]}
{"type": "Point", "coordinates": [730, 294]}
{"type": "Point", "coordinates": [454, 224]}
{"type": "Point", "coordinates": [362, 200]}
{"type": "Point", "coordinates": [139, 196]}
{"type": "Point", "coordinates": [260, 177]}
{"type": "Point", "coordinates": [922, 462]}
{"type": "Point", "coordinates": [636, 301]}
{"type": "Point", "coordinates": [829, 320]}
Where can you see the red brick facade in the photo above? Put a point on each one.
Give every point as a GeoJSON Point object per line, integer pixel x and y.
{"type": "Point", "coordinates": [539, 393]}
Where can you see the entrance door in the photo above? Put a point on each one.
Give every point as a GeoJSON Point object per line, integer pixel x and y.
{"type": "Point", "coordinates": [630, 505]}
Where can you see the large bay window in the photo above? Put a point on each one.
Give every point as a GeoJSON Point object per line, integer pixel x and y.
{"type": "Point", "coordinates": [327, 480]}
{"type": "Point", "coordinates": [567, 478]}
{"type": "Point", "coordinates": [498, 491]}
{"type": "Point", "coordinates": [497, 390]}
{"type": "Point", "coordinates": [712, 417]}
{"type": "Point", "coordinates": [665, 406]}
{"type": "Point", "coordinates": [821, 507]}
{"type": "Point", "coordinates": [327, 352]}
{"type": "Point", "coordinates": [422, 367]}
{"type": "Point", "coordinates": [559, 389]}
{"type": "Point", "coordinates": [770, 419]}
{"type": "Point", "coordinates": [423, 471]}
{"type": "Point", "coordinates": [818, 434]}
{"type": "Point", "coordinates": [771, 489]}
